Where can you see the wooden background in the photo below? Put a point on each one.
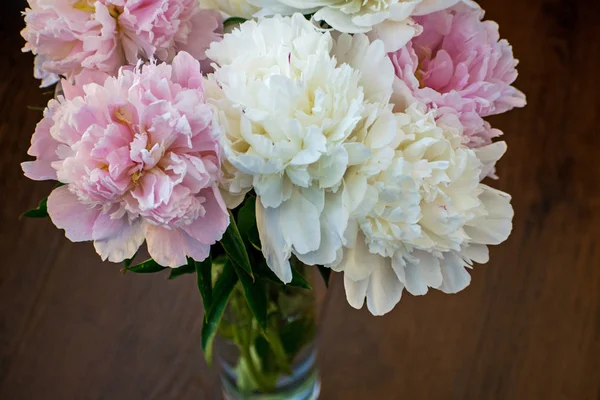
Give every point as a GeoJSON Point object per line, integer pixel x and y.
{"type": "Point", "coordinates": [528, 327]}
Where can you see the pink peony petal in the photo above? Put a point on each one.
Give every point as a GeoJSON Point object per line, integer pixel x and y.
{"type": "Point", "coordinates": [215, 218]}
{"type": "Point", "coordinates": [68, 213]}
{"type": "Point", "coordinates": [206, 27]}
{"type": "Point", "coordinates": [169, 247]}
{"type": "Point", "coordinates": [117, 239]}
{"type": "Point", "coordinates": [186, 71]}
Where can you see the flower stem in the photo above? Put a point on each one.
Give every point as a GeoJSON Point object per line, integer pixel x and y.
{"type": "Point", "coordinates": [244, 341]}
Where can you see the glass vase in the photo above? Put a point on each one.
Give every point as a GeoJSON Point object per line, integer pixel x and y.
{"type": "Point", "coordinates": [279, 363]}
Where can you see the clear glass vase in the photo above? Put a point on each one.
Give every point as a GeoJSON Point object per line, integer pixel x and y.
{"type": "Point", "coordinates": [279, 363]}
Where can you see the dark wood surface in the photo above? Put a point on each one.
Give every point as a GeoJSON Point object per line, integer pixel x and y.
{"type": "Point", "coordinates": [528, 327]}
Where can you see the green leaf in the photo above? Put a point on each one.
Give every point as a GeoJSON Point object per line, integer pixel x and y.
{"type": "Point", "coordinates": [281, 358]}
{"type": "Point", "coordinates": [204, 277]}
{"type": "Point", "coordinates": [128, 261]}
{"type": "Point", "coordinates": [256, 296]}
{"type": "Point", "coordinates": [40, 212]}
{"type": "Point", "coordinates": [246, 220]}
{"type": "Point", "coordinates": [298, 280]}
{"type": "Point", "coordinates": [246, 217]}
{"type": "Point", "coordinates": [189, 268]}
{"type": "Point", "coordinates": [220, 296]}
{"type": "Point", "coordinates": [36, 108]}
{"type": "Point", "coordinates": [234, 247]}
{"type": "Point", "coordinates": [234, 20]}
{"type": "Point", "coordinates": [147, 267]}
{"type": "Point", "coordinates": [263, 350]}
{"type": "Point", "coordinates": [325, 273]}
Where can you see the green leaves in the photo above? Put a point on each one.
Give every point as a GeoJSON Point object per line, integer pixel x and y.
{"type": "Point", "coordinates": [220, 296]}
{"type": "Point", "coordinates": [256, 297]}
{"type": "Point", "coordinates": [233, 244]}
{"type": "Point", "coordinates": [147, 267]}
{"type": "Point", "coordinates": [234, 20]}
{"type": "Point", "coordinates": [128, 262]}
{"type": "Point", "coordinates": [246, 220]}
{"type": "Point", "coordinates": [40, 212]}
{"type": "Point", "coordinates": [42, 209]}
{"type": "Point", "coordinates": [204, 279]}
{"type": "Point", "coordinates": [189, 268]}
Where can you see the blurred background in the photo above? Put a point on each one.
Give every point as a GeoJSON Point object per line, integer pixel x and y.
{"type": "Point", "coordinates": [528, 326]}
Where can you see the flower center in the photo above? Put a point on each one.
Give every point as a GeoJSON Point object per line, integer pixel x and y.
{"type": "Point", "coordinates": [114, 11]}
{"type": "Point", "coordinates": [135, 178]}
{"type": "Point", "coordinates": [88, 6]}
{"type": "Point", "coordinates": [420, 77]}
{"type": "Point", "coordinates": [84, 5]}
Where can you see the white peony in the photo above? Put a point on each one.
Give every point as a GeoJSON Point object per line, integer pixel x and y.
{"type": "Point", "coordinates": [295, 106]}
{"type": "Point", "coordinates": [423, 219]}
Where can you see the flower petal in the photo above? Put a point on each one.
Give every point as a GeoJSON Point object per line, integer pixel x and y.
{"type": "Point", "coordinates": [300, 222]}
{"type": "Point", "coordinates": [455, 276]}
{"type": "Point", "coordinates": [356, 291]}
{"type": "Point", "coordinates": [68, 213]}
{"type": "Point", "coordinates": [496, 225]}
{"type": "Point", "coordinates": [169, 247]}
{"type": "Point", "coordinates": [209, 228]}
{"type": "Point", "coordinates": [117, 239]}
{"type": "Point", "coordinates": [385, 289]}
{"type": "Point", "coordinates": [275, 249]}
{"type": "Point", "coordinates": [334, 220]}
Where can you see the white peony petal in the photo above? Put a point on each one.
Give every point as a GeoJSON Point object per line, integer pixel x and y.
{"type": "Point", "coordinates": [496, 225]}
{"type": "Point", "coordinates": [489, 155]}
{"type": "Point", "coordinates": [358, 262]}
{"type": "Point", "coordinates": [332, 167]}
{"type": "Point", "coordinates": [354, 190]}
{"type": "Point", "coordinates": [356, 291]}
{"type": "Point", "coordinates": [394, 34]}
{"type": "Point", "coordinates": [275, 249]}
{"type": "Point", "coordinates": [455, 276]}
{"type": "Point", "coordinates": [476, 252]}
{"type": "Point", "coordinates": [299, 176]}
{"type": "Point", "coordinates": [385, 289]}
{"type": "Point", "coordinates": [357, 153]}
{"type": "Point", "coordinates": [334, 220]}
{"type": "Point", "coordinates": [403, 9]}
{"type": "Point", "coordinates": [424, 274]}
{"type": "Point", "coordinates": [377, 71]}
{"type": "Point", "coordinates": [299, 222]}
{"type": "Point", "coordinates": [272, 189]}
{"type": "Point", "coordinates": [339, 20]}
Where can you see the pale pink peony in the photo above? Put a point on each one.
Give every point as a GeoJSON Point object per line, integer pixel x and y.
{"type": "Point", "coordinates": [103, 35]}
{"type": "Point", "coordinates": [139, 157]}
{"type": "Point", "coordinates": [460, 66]}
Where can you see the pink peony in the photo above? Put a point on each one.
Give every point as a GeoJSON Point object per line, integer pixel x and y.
{"type": "Point", "coordinates": [103, 35]}
{"type": "Point", "coordinates": [139, 157]}
{"type": "Point", "coordinates": [460, 66]}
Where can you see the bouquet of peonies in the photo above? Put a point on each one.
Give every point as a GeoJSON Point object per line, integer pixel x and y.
{"type": "Point", "coordinates": [343, 134]}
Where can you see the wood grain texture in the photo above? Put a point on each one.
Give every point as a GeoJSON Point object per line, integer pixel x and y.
{"type": "Point", "coordinates": [528, 327]}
